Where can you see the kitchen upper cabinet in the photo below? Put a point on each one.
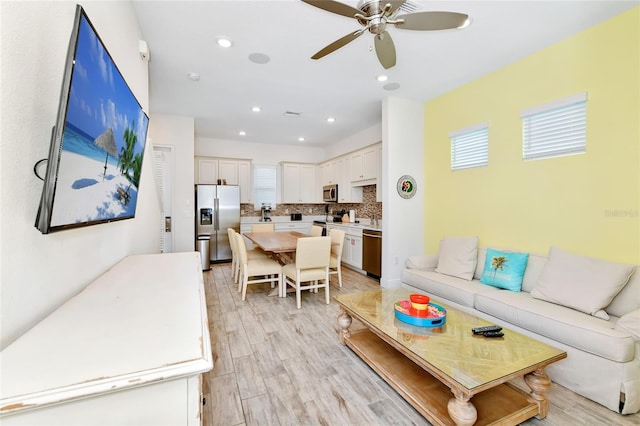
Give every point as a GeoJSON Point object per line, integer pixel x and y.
{"type": "Point", "coordinates": [364, 164]}
{"type": "Point", "coordinates": [209, 170]}
{"type": "Point", "coordinates": [244, 181]}
{"type": "Point", "coordinates": [228, 171]}
{"type": "Point", "coordinates": [206, 171]}
{"type": "Point", "coordinates": [299, 183]}
{"type": "Point", "coordinates": [346, 192]}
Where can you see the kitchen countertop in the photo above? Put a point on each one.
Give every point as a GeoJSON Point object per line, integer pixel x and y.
{"type": "Point", "coordinates": [363, 224]}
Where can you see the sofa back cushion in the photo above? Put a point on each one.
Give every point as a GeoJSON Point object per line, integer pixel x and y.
{"type": "Point", "coordinates": [580, 282]}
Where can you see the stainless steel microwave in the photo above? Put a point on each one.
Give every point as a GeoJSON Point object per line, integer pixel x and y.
{"type": "Point", "coordinates": [330, 193]}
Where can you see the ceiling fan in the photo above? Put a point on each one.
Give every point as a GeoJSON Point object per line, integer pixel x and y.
{"type": "Point", "coordinates": [374, 15]}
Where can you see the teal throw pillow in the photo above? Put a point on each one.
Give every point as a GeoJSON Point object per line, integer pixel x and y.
{"type": "Point", "coordinates": [504, 269]}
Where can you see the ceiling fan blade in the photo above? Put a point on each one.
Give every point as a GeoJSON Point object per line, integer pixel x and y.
{"type": "Point", "coordinates": [338, 44]}
{"type": "Point", "coordinates": [385, 50]}
{"type": "Point", "coordinates": [334, 7]}
{"type": "Point", "coordinates": [431, 21]}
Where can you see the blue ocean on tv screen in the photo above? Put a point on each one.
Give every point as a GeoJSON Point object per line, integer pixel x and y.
{"type": "Point", "coordinates": [76, 141]}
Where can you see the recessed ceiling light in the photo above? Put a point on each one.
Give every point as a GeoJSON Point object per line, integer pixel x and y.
{"type": "Point", "coordinates": [242, 133]}
{"type": "Point", "coordinates": [255, 109]}
{"type": "Point", "coordinates": [193, 76]}
{"type": "Point", "coordinates": [300, 139]}
{"type": "Point", "coordinates": [382, 78]}
{"type": "Point", "coordinates": [331, 120]}
{"type": "Point", "coordinates": [224, 42]}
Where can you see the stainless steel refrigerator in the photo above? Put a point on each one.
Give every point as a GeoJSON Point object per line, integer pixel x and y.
{"type": "Point", "coordinates": [217, 208]}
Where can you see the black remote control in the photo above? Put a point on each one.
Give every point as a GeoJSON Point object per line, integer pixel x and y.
{"type": "Point", "coordinates": [483, 330]}
{"type": "Point", "coordinates": [493, 334]}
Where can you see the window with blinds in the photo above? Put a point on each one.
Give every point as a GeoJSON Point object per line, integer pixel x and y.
{"type": "Point", "coordinates": [555, 129]}
{"type": "Point", "coordinates": [470, 147]}
{"type": "Point", "coordinates": [264, 186]}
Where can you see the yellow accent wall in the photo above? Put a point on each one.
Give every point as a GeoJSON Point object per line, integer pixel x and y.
{"type": "Point", "coordinates": [587, 203]}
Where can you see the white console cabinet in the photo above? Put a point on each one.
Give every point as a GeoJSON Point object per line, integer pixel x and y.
{"type": "Point", "coordinates": [127, 350]}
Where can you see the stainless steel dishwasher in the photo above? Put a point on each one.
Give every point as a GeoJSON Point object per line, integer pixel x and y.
{"type": "Point", "coordinates": [372, 252]}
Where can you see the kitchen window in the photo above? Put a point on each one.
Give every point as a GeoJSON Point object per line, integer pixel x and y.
{"type": "Point", "coordinates": [264, 186]}
{"type": "Point", "coordinates": [555, 129]}
{"type": "Point", "coordinates": [470, 147]}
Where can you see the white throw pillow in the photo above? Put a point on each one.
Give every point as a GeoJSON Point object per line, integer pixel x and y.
{"type": "Point", "coordinates": [579, 282]}
{"type": "Point", "coordinates": [458, 256]}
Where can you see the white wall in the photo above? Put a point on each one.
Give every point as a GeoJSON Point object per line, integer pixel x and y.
{"type": "Point", "coordinates": [402, 154]}
{"type": "Point", "coordinates": [178, 133]}
{"type": "Point", "coordinates": [39, 272]}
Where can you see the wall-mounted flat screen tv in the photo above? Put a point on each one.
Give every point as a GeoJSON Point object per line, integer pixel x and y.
{"type": "Point", "coordinates": [97, 143]}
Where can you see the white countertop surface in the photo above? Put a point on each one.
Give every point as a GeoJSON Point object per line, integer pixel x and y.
{"type": "Point", "coordinates": [364, 223]}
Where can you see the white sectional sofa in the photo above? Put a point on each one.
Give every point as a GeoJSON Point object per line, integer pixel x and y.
{"type": "Point", "coordinates": [603, 355]}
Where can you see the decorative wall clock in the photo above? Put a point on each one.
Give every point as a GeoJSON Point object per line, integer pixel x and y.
{"type": "Point", "coordinates": [406, 186]}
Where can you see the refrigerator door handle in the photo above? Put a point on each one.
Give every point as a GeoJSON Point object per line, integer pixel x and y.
{"type": "Point", "coordinates": [216, 217]}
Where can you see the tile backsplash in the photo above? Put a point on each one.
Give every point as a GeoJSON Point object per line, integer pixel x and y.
{"type": "Point", "coordinates": [369, 208]}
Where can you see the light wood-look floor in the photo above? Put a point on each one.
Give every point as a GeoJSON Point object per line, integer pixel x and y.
{"type": "Point", "coordinates": [277, 365]}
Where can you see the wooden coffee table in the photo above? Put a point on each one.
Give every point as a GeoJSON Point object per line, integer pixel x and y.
{"type": "Point", "coordinates": [427, 365]}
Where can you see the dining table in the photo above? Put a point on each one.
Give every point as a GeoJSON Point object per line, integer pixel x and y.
{"type": "Point", "coordinates": [282, 244]}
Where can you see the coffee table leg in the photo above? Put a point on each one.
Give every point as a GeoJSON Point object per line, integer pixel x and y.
{"type": "Point", "coordinates": [539, 383]}
{"type": "Point", "coordinates": [344, 321]}
{"type": "Point", "coordinates": [461, 411]}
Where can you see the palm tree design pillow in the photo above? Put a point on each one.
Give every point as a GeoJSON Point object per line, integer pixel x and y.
{"type": "Point", "coordinates": [504, 269]}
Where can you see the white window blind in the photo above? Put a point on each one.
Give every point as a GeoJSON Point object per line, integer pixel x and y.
{"type": "Point", "coordinates": [470, 147]}
{"type": "Point", "coordinates": [555, 129]}
{"type": "Point", "coordinates": [264, 186]}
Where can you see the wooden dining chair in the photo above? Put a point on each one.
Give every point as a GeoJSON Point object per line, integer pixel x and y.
{"type": "Point", "coordinates": [311, 266]}
{"type": "Point", "coordinates": [316, 231]}
{"type": "Point", "coordinates": [255, 271]}
{"type": "Point", "coordinates": [263, 227]}
{"type": "Point", "coordinates": [337, 243]}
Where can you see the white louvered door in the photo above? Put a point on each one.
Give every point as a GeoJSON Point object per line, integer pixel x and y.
{"type": "Point", "coordinates": [163, 173]}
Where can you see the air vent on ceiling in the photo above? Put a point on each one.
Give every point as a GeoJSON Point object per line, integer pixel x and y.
{"type": "Point", "coordinates": [409, 6]}
{"type": "Point", "coordinates": [291, 114]}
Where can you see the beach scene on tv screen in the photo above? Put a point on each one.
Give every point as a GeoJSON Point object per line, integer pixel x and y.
{"type": "Point", "coordinates": [103, 141]}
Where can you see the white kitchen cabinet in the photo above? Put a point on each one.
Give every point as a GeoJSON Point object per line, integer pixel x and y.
{"type": "Point", "coordinates": [209, 170]}
{"type": "Point", "coordinates": [352, 248]}
{"type": "Point", "coordinates": [347, 193]}
{"type": "Point", "coordinates": [299, 183]}
{"type": "Point", "coordinates": [245, 181]}
{"type": "Point", "coordinates": [128, 350]}
{"type": "Point", "coordinates": [228, 171]}
{"type": "Point", "coordinates": [206, 171]}
{"type": "Point", "coordinates": [364, 165]}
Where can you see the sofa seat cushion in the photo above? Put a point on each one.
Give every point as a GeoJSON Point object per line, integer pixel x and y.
{"type": "Point", "coordinates": [574, 328]}
{"type": "Point", "coordinates": [452, 289]}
